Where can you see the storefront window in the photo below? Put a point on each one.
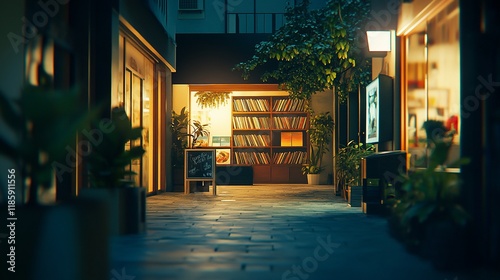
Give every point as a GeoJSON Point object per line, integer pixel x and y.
{"type": "Point", "coordinates": [433, 82]}
{"type": "Point", "coordinates": [118, 95]}
{"type": "Point", "coordinates": [135, 90]}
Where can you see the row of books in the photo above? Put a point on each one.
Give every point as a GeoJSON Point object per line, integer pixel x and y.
{"type": "Point", "coordinates": [290, 122]}
{"type": "Point", "coordinates": [251, 105]}
{"type": "Point", "coordinates": [263, 122]}
{"type": "Point", "coordinates": [252, 158]}
{"type": "Point", "coordinates": [251, 122]}
{"type": "Point", "coordinates": [252, 140]}
{"type": "Point", "coordinates": [296, 157]}
{"type": "Point", "coordinates": [289, 105]}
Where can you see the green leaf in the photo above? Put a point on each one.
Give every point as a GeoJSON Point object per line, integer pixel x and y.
{"type": "Point", "coordinates": [421, 211]}
{"type": "Point", "coordinates": [311, 41]}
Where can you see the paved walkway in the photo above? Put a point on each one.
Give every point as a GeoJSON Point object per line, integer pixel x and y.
{"type": "Point", "coordinates": [262, 232]}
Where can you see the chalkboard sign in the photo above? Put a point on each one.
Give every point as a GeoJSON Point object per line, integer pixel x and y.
{"type": "Point", "coordinates": [200, 163]}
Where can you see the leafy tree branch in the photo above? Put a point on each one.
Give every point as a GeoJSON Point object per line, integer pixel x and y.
{"type": "Point", "coordinates": [316, 50]}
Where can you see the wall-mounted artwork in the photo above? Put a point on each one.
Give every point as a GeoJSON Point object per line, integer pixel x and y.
{"type": "Point", "coordinates": [372, 112]}
{"type": "Point", "coordinates": [223, 156]}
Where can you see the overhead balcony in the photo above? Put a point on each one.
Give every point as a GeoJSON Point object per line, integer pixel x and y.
{"type": "Point", "coordinates": [254, 22]}
{"type": "Point", "coordinates": [159, 9]}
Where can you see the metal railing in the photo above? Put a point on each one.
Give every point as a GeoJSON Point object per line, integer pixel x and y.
{"type": "Point", "coordinates": [254, 22]}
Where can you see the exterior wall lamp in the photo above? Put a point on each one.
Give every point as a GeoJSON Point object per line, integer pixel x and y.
{"type": "Point", "coordinates": [379, 43]}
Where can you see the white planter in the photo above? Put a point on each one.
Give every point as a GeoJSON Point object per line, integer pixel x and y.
{"type": "Point", "coordinates": [313, 179]}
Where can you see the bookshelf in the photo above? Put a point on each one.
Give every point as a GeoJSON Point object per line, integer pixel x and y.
{"type": "Point", "coordinates": [269, 134]}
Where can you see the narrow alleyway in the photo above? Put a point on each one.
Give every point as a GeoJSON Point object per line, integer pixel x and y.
{"type": "Point", "coordinates": [263, 232]}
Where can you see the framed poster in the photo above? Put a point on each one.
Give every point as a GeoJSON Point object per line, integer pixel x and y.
{"type": "Point", "coordinates": [218, 141]}
{"type": "Point", "coordinates": [372, 112]}
{"type": "Point", "coordinates": [223, 156]}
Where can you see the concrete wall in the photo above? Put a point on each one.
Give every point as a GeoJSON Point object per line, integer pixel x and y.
{"type": "Point", "coordinates": [180, 97]}
{"type": "Point", "coordinates": [11, 72]}
{"type": "Point", "coordinates": [324, 102]}
{"type": "Point", "coordinates": [12, 47]}
{"type": "Point", "coordinates": [210, 58]}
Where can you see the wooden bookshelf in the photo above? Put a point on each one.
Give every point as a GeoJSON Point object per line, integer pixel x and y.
{"type": "Point", "coordinates": [269, 134]}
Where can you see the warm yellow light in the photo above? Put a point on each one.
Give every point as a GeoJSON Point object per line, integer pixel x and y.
{"type": "Point", "coordinates": [379, 41]}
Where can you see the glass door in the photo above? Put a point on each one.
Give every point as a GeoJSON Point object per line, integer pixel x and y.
{"type": "Point", "coordinates": [133, 103]}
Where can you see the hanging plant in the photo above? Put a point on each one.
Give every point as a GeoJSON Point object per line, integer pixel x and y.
{"type": "Point", "coordinates": [211, 99]}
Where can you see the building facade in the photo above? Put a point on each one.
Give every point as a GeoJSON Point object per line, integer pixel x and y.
{"type": "Point", "coordinates": [444, 63]}
{"type": "Point", "coordinates": [449, 68]}
{"type": "Point", "coordinates": [118, 53]}
{"type": "Point", "coordinates": [212, 38]}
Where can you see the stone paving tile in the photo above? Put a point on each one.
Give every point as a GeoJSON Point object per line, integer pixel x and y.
{"type": "Point", "coordinates": [293, 232]}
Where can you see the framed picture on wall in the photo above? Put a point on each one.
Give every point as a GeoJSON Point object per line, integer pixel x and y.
{"type": "Point", "coordinates": [372, 112]}
{"type": "Point", "coordinates": [223, 156]}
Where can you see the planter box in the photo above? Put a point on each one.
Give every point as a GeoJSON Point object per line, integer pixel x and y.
{"type": "Point", "coordinates": [444, 245]}
{"type": "Point", "coordinates": [111, 198]}
{"type": "Point", "coordinates": [372, 198]}
{"type": "Point", "coordinates": [134, 210]}
{"type": "Point", "coordinates": [61, 241]}
{"type": "Point", "coordinates": [355, 195]}
{"type": "Point", "coordinates": [126, 208]}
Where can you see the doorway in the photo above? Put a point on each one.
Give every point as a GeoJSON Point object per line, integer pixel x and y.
{"type": "Point", "coordinates": [136, 104]}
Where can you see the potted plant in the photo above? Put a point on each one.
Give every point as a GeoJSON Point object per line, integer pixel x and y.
{"type": "Point", "coordinates": [428, 217]}
{"type": "Point", "coordinates": [305, 60]}
{"type": "Point", "coordinates": [198, 130]}
{"type": "Point", "coordinates": [178, 128]}
{"type": "Point", "coordinates": [320, 134]}
{"type": "Point", "coordinates": [182, 139]}
{"type": "Point", "coordinates": [109, 172]}
{"type": "Point", "coordinates": [108, 160]}
{"type": "Point", "coordinates": [43, 125]}
{"type": "Point", "coordinates": [348, 164]}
